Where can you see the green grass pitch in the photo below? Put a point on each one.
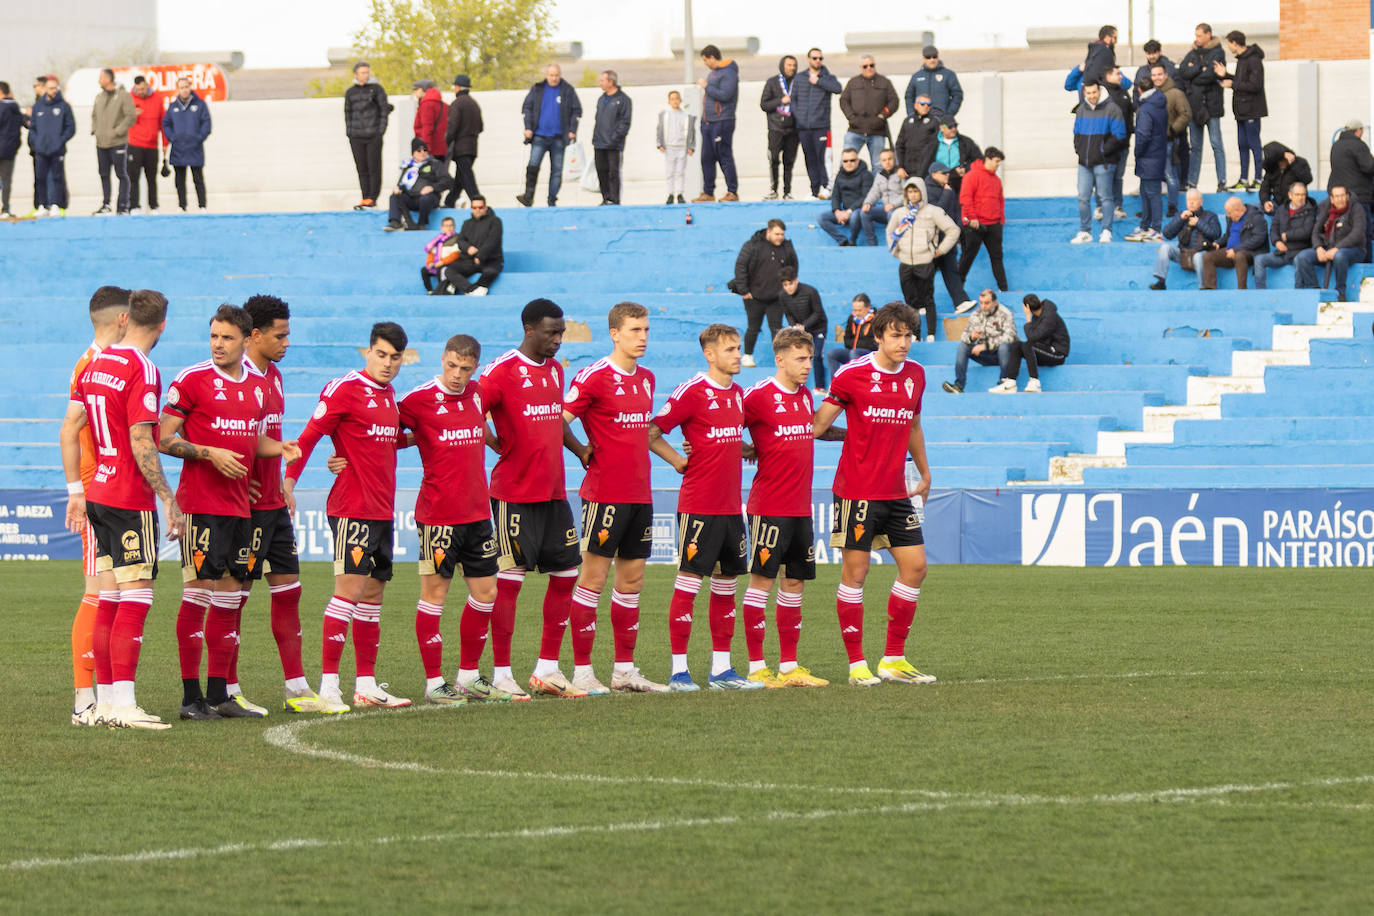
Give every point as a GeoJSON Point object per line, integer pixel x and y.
{"type": "Point", "coordinates": [1103, 741]}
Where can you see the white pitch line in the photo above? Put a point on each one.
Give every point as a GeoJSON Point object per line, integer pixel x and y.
{"type": "Point", "coordinates": [1207, 794]}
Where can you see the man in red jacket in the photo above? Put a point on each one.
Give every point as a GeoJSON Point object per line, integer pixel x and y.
{"type": "Point", "coordinates": [984, 212]}
{"type": "Point", "coordinates": [144, 139]}
{"type": "Point", "coordinates": [431, 119]}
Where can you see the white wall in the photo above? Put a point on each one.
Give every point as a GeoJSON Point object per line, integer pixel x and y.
{"type": "Point", "coordinates": [292, 154]}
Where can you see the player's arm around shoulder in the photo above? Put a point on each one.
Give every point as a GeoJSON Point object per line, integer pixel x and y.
{"type": "Point", "coordinates": [660, 447]}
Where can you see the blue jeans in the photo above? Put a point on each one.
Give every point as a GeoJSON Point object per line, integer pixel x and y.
{"type": "Point", "coordinates": [1218, 150]}
{"type": "Point", "coordinates": [717, 145]}
{"type": "Point", "coordinates": [554, 146]}
{"type": "Point", "coordinates": [817, 363]}
{"type": "Point", "coordinates": [873, 225]}
{"type": "Point", "coordinates": [1248, 140]}
{"type": "Point", "coordinates": [1003, 358]}
{"type": "Point", "coordinates": [1170, 254]}
{"type": "Point", "coordinates": [1307, 267]}
{"type": "Point", "coordinates": [1267, 260]}
{"type": "Point", "coordinates": [1151, 204]}
{"type": "Point", "coordinates": [873, 142]}
{"type": "Point", "coordinates": [1099, 178]}
{"type": "Point", "coordinates": [835, 357]}
{"type": "Point", "coordinates": [841, 232]}
{"type": "Point", "coordinates": [1118, 176]}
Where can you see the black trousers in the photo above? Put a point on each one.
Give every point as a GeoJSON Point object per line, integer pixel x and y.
{"type": "Point", "coordinates": [116, 158]}
{"type": "Point", "coordinates": [402, 203]}
{"type": "Point", "coordinates": [919, 293]}
{"type": "Point", "coordinates": [813, 151]}
{"type": "Point", "coordinates": [464, 181]}
{"type": "Point", "coordinates": [608, 173]}
{"type": "Point", "coordinates": [949, 272]}
{"type": "Point", "coordinates": [6, 179]}
{"type": "Point", "coordinates": [782, 145]}
{"type": "Point", "coordinates": [973, 239]}
{"type": "Point", "coordinates": [457, 274]}
{"type": "Point", "coordinates": [1035, 357]}
{"type": "Point", "coordinates": [367, 158]}
{"type": "Point", "coordinates": [143, 160]}
{"type": "Point", "coordinates": [755, 310]}
{"type": "Point", "coordinates": [197, 178]}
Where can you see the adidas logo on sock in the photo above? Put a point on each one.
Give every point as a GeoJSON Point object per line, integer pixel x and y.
{"type": "Point", "coordinates": [685, 618]}
{"type": "Point", "coordinates": [635, 627]}
{"type": "Point", "coordinates": [436, 639]}
{"type": "Point", "coordinates": [198, 634]}
{"type": "Point", "coordinates": [589, 628]}
{"type": "Point", "coordinates": [850, 629]}
{"type": "Point", "coordinates": [337, 637]}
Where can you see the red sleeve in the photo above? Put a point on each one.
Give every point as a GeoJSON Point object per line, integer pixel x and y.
{"type": "Point", "coordinates": [966, 195]}
{"type": "Point", "coordinates": [920, 389]}
{"type": "Point", "coordinates": [141, 406]}
{"type": "Point", "coordinates": [752, 413]}
{"type": "Point", "coordinates": [491, 391]}
{"type": "Point", "coordinates": [323, 422]}
{"type": "Point", "coordinates": [840, 391]}
{"type": "Point", "coordinates": [181, 399]}
{"type": "Point", "coordinates": [674, 413]}
{"type": "Point", "coordinates": [580, 396]}
{"type": "Point", "coordinates": [407, 411]}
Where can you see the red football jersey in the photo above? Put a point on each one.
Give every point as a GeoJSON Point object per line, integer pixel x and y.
{"type": "Point", "coordinates": [219, 412]}
{"type": "Point", "coordinates": [360, 416]}
{"type": "Point", "coordinates": [267, 471]}
{"type": "Point", "coordinates": [879, 409]}
{"type": "Point", "coordinates": [525, 402]}
{"type": "Point", "coordinates": [450, 431]}
{"type": "Point", "coordinates": [615, 408]}
{"type": "Point", "coordinates": [779, 423]}
{"type": "Point", "coordinates": [119, 388]}
{"type": "Point", "coordinates": [712, 421]}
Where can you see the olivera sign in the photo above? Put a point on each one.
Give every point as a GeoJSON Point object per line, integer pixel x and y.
{"type": "Point", "coordinates": [207, 81]}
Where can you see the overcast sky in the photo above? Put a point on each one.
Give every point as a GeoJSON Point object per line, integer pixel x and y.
{"type": "Point", "coordinates": [272, 33]}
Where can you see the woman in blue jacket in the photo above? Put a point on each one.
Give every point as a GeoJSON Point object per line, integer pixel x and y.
{"type": "Point", "coordinates": [186, 126]}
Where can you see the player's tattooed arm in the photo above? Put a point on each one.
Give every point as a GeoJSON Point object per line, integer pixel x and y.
{"type": "Point", "coordinates": [660, 447]}
{"type": "Point", "coordinates": [146, 455]}
{"type": "Point", "coordinates": [225, 461]}
{"type": "Point", "coordinates": [574, 445]}
{"type": "Point", "coordinates": [833, 434]}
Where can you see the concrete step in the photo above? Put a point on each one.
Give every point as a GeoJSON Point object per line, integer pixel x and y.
{"type": "Point", "coordinates": [1068, 469]}
{"type": "Point", "coordinates": [1208, 389]}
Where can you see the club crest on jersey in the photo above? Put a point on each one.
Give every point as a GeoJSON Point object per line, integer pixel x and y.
{"type": "Point", "coordinates": [219, 383]}
{"type": "Point", "coordinates": [648, 388]}
{"type": "Point", "coordinates": [320, 410]}
{"type": "Point", "coordinates": [910, 388]}
{"type": "Point", "coordinates": [258, 393]}
{"type": "Point", "coordinates": [174, 395]}
{"type": "Point", "coordinates": [876, 376]}
{"type": "Point", "coordinates": [572, 394]}
{"type": "Point", "coordinates": [150, 402]}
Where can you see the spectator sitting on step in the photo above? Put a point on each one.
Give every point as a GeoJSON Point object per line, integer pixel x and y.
{"type": "Point", "coordinates": [422, 179]}
{"type": "Point", "coordinates": [856, 337]}
{"type": "Point", "coordinates": [801, 306]}
{"type": "Point", "coordinates": [884, 196]}
{"type": "Point", "coordinates": [440, 251]}
{"type": "Point", "coordinates": [989, 338]}
{"type": "Point", "coordinates": [1339, 237]}
{"type": "Point", "coordinates": [1197, 231]}
{"type": "Point", "coordinates": [1245, 237]}
{"type": "Point", "coordinates": [1046, 343]}
{"type": "Point", "coordinates": [1282, 167]}
{"type": "Point", "coordinates": [841, 219]}
{"type": "Point", "coordinates": [1290, 232]}
{"type": "Point", "coordinates": [479, 252]}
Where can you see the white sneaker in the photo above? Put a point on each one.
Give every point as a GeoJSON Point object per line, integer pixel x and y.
{"type": "Point", "coordinates": [1140, 235]}
{"type": "Point", "coordinates": [747, 361]}
{"type": "Point", "coordinates": [1105, 237]}
{"type": "Point", "coordinates": [477, 291]}
{"type": "Point", "coordinates": [84, 716]}
{"type": "Point", "coordinates": [508, 685]}
{"type": "Point", "coordinates": [1033, 386]}
{"type": "Point", "coordinates": [1080, 238]}
{"type": "Point", "coordinates": [41, 213]}
{"type": "Point", "coordinates": [379, 697]}
{"type": "Point", "coordinates": [5, 214]}
{"type": "Point", "coordinates": [1118, 213]}
{"type": "Point", "coordinates": [967, 305]}
{"type": "Point", "coordinates": [134, 717]}
{"type": "Point", "coordinates": [633, 681]}
{"type": "Point", "coordinates": [331, 702]}
{"type": "Point", "coordinates": [589, 683]}
{"type": "Point", "coordinates": [251, 707]}
{"type": "Point", "coordinates": [823, 194]}
{"type": "Point", "coordinates": [1006, 386]}
{"type": "Point", "coordinates": [55, 210]}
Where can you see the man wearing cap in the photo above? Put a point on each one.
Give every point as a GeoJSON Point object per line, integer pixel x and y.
{"type": "Point", "coordinates": [952, 149]}
{"type": "Point", "coordinates": [422, 179]}
{"type": "Point", "coordinates": [431, 119]}
{"type": "Point", "coordinates": [936, 82]}
{"type": "Point", "coordinates": [464, 124]}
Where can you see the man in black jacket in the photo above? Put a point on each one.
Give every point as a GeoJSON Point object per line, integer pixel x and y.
{"type": "Point", "coordinates": [1248, 102]}
{"type": "Point", "coordinates": [1245, 237]}
{"type": "Point", "coordinates": [1352, 167]}
{"type": "Point", "coordinates": [776, 102]}
{"type": "Point", "coordinates": [801, 306]}
{"type": "Point", "coordinates": [756, 281]}
{"type": "Point", "coordinates": [480, 243]}
{"type": "Point", "coordinates": [612, 126]}
{"type": "Point", "coordinates": [915, 135]}
{"type": "Point", "coordinates": [464, 124]}
{"type": "Point", "coordinates": [365, 115]}
{"type": "Point", "coordinates": [422, 180]}
{"type": "Point", "coordinates": [1046, 340]}
{"type": "Point", "coordinates": [1290, 232]}
{"type": "Point", "coordinates": [1101, 55]}
{"type": "Point", "coordinates": [11, 121]}
{"type": "Point", "coordinates": [953, 149]}
{"type": "Point", "coordinates": [942, 195]}
{"type": "Point", "coordinates": [1339, 239]}
{"type": "Point", "coordinates": [1198, 77]}
{"type": "Point", "coordinates": [1282, 167]}
{"type": "Point", "coordinates": [551, 111]}
{"type": "Point", "coordinates": [841, 220]}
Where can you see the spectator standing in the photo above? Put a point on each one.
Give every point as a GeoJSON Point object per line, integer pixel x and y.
{"type": "Point", "coordinates": [917, 132]}
{"type": "Point", "coordinates": [187, 126]}
{"type": "Point", "coordinates": [145, 137]}
{"type": "Point", "coordinates": [1197, 230]}
{"type": "Point", "coordinates": [988, 338]}
{"type": "Point", "coordinates": [884, 195]}
{"type": "Point", "coordinates": [1282, 168]}
{"type": "Point", "coordinates": [983, 211]}
{"type": "Point", "coordinates": [776, 102]}
{"type": "Point", "coordinates": [1248, 103]}
{"type": "Point", "coordinates": [757, 282]}
{"type": "Point", "coordinates": [51, 125]}
{"type": "Point", "coordinates": [1154, 54]}
{"type": "Point", "coordinates": [1290, 232]}
{"type": "Point", "coordinates": [551, 111]}
{"type": "Point", "coordinates": [811, 109]}
{"type": "Point", "coordinates": [1046, 343]}
{"type": "Point", "coordinates": [676, 136]}
{"type": "Point", "coordinates": [1180, 116]}
{"type": "Point", "coordinates": [479, 252]}
{"type": "Point", "coordinates": [720, 98]}
{"type": "Point", "coordinates": [1099, 132]}
{"type": "Point", "coordinates": [1117, 88]}
{"type": "Point", "coordinates": [431, 119]}
{"type": "Point", "coordinates": [421, 181]}
{"type": "Point", "coordinates": [856, 338]}
{"type": "Point", "coordinates": [1151, 163]}
{"type": "Point", "coordinates": [1101, 56]}
{"type": "Point", "coordinates": [868, 100]}
{"type": "Point", "coordinates": [935, 81]}
{"type": "Point", "coordinates": [842, 220]}
{"type": "Point", "coordinates": [918, 234]}
{"type": "Point", "coordinates": [464, 126]}
{"type": "Point", "coordinates": [947, 199]}
{"type": "Point", "coordinates": [613, 114]}
{"type": "Point", "coordinates": [1245, 237]}
{"type": "Point", "coordinates": [11, 125]}
{"type": "Point", "coordinates": [1339, 239]}
{"type": "Point", "coordinates": [1197, 70]}
{"type": "Point", "coordinates": [1352, 166]}
{"type": "Point", "coordinates": [112, 114]}
{"type": "Point", "coordinates": [366, 111]}
{"type": "Point", "coordinates": [802, 308]}
{"type": "Point", "coordinates": [951, 149]}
